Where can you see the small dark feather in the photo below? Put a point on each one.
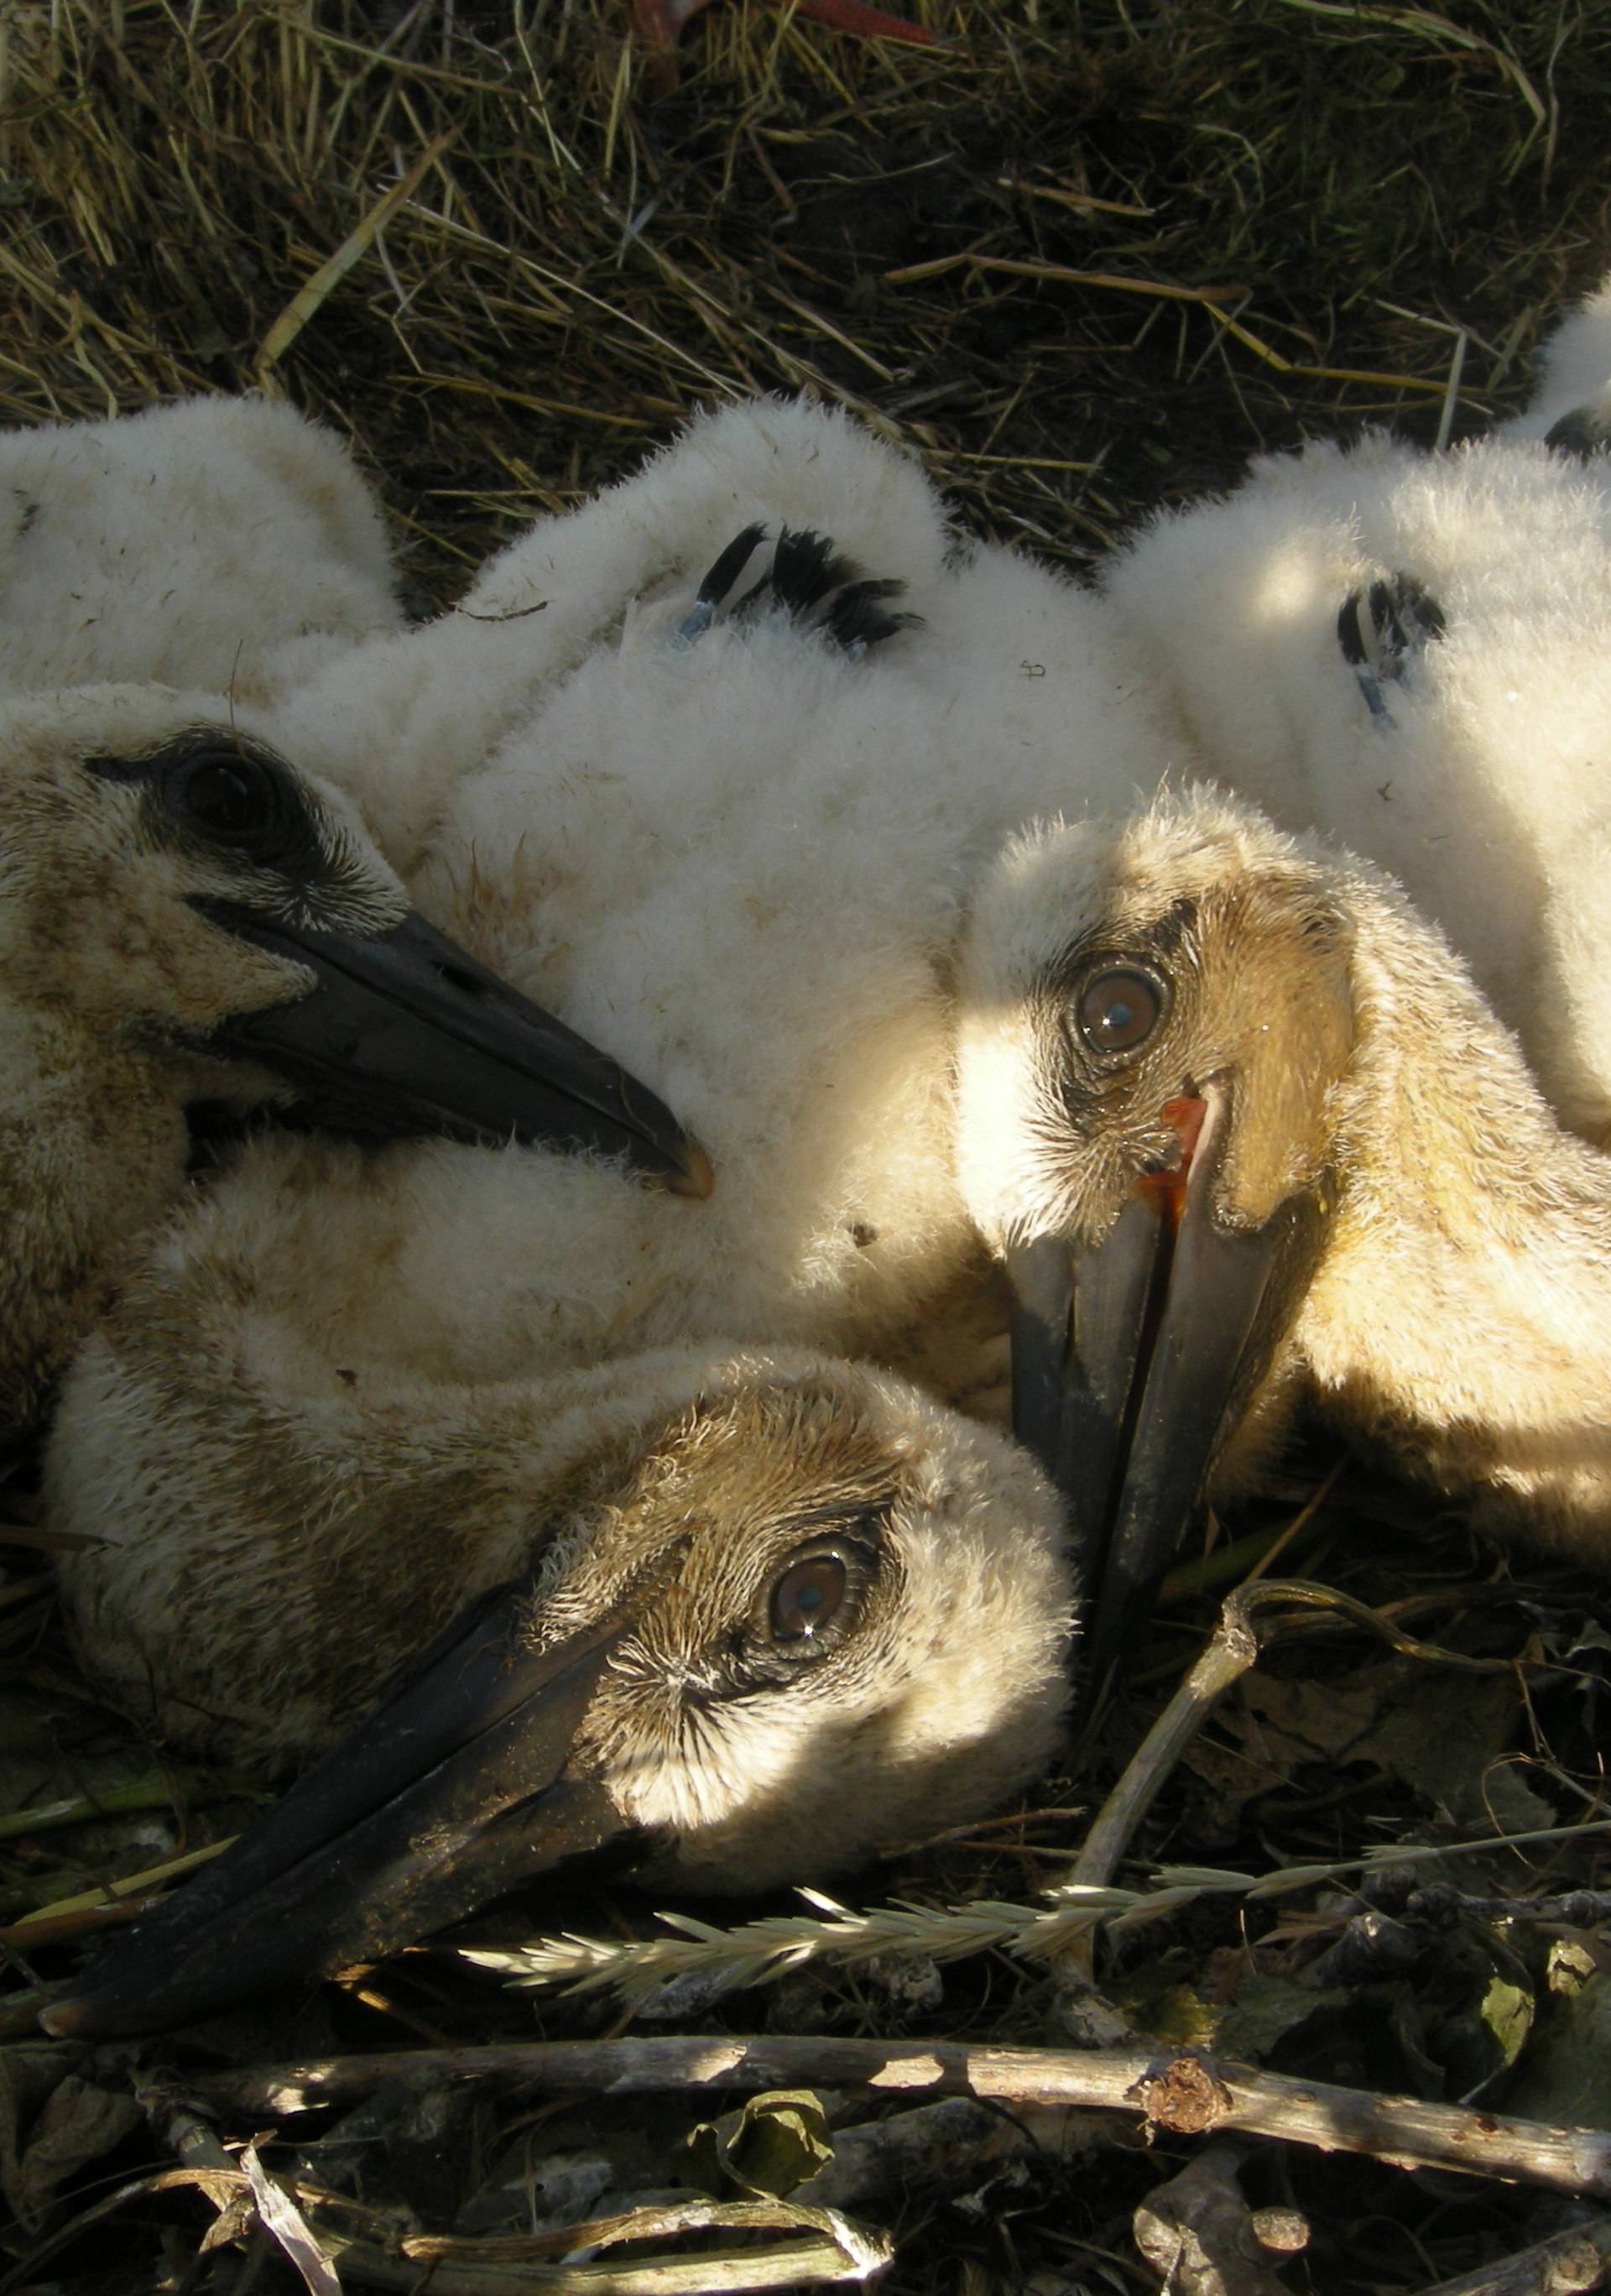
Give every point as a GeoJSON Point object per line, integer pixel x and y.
{"type": "Point", "coordinates": [806, 567]}
{"type": "Point", "coordinates": [810, 579]}
{"type": "Point", "coordinates": [857, 618]}
{"type": "Point", "coordinates": [1376, 629]}
{"type": "Point", "coordinates": [731, 564]}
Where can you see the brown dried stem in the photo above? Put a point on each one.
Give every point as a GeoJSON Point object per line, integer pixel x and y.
{"type": "Point", "coordinates": [1566, 2265]}
{"type": "Point", "coordinates": [1198, 2232]}
{"type": "Point", "coordinates": [1187, 2094]}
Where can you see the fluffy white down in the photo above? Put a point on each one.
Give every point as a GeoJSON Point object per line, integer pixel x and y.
{"type": "Point", "coordinates": [1575, 369]}
{"type": "Point", "coordinates": [739, 865]}
{"type": "Point", "coordinates": [744, 865]}
{"type": "Point", "coordinates": [228, 545]}
{"type": "Point", "coordinates": [1484, 788]}
{"type": "Point", "coordinates": [401, 722]}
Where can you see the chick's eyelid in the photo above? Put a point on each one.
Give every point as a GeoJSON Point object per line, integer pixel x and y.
{"type": "Point", "coordinates": [860, 1555]}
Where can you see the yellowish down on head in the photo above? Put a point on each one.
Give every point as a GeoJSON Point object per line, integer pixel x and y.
{"type": "Point", "coordinates": [1259, 1034]}
{"type": "Point", "coordinates": [757, 1614]}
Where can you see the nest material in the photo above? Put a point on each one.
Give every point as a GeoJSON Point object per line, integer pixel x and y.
{"type": "Point", "coordinates": [1081, 259]}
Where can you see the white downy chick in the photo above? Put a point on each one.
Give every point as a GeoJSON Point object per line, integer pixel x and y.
{"type": "Point", "coordinates": [748, 1616]}
{"type": "Point", "coordinates": [1240, 1124]}
{"type": "Point", "coordinates": [1411, 653]}
{"type": "Point", "coordinates": [224, 546]}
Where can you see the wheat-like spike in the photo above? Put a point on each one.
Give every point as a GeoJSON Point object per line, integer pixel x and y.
{"type": "Point", "coordinates": [759, 1952]}
{"type": "Point", "coordinates": [756, 1952]}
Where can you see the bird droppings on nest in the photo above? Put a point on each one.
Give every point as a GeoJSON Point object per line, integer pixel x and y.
{"type": "Point", "coordinates": [1083, 259]}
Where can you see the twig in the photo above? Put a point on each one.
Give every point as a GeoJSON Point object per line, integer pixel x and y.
{"type": "Point", "coordinates": [1446, 420]}
{"type": "Point", "coordinates": [827, 2248]}
{"type": "Point", "coordinates": [108, 1897]}
{"type": "Point", "coordinates": [1189, 2094]}
{"type": "Point", "coordinates": [1032, 268]}
{"type": "Point", "coordinates": [50, 1928]}
{"type": "Point", "coordinates": [1199, 2232]}
{"type": "Point", "coordinates": [158, 1791]}
{"type": "Point", "coordinates": [306, 300]}
{"type": "Point", "coordinates": [1232, 1650]}
{"type": "Point", "coordinates": [1572, 2262]}
{"type": "Point", "coordinates": [198, 2147]}
{"type": "Point", "coordinates": [219, 2184]}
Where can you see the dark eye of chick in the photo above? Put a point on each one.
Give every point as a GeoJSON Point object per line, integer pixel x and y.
{"type": "Point", "coordinates": [230, 798]}
{"type": "Point", "coordinates": [1119, 1007]}
{"type": "Point", "coordinates": [808, 1595]}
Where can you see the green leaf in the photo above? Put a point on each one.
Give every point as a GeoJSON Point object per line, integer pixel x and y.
{"type": "Point", "coordinates": [773, 2143]}
{"type": "Point", "coordinates": [1566, 2074]}
{"type": "Point", "coordinates": [1266, 2009]}
{"type": "Point", "coordinates": [1507, 2012]}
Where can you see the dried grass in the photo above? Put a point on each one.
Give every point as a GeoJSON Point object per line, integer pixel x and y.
{"type": "Point", "coordinates": [1081, 258]}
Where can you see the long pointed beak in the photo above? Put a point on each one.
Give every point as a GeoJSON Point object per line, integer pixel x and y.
{"type": "Point", "coordinates": [1134, 1358]}
{"type": "Point", "coordinates": [405, 1032]}
{"type": "Point", "coordinates": [461, 1785]}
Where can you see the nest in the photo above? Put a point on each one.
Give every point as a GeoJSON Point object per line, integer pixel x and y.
{"type": "Point", "coordinates": [1081, 259]}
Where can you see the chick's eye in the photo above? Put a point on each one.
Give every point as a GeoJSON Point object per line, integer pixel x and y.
{"type": "Point", "coordinates": [227, 796]}
{"type": "Point", "coordinates": [1119, 1008]}
{"type": "Point", "coordinates": [807, 1595]}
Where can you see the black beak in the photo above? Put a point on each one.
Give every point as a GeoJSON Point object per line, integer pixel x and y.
{"type": "Point", "coordinates": [405, 1033]}
{"type": "Point", "coordinates": [1134, 1358]}
{"type": "Point", "coordinates": [459, 1786]}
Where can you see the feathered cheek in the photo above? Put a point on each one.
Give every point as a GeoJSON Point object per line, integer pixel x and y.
{"type": "Point", "coordinates": [699, 1765]}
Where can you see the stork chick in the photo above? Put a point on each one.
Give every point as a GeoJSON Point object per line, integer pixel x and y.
{"type": "Point", "coordinates": [1240, 1124]}
{"type": "Point", "coordinates": [219, 544]}
{"type": "Point", "coordinates": [400, 722]}
{"type": "Point", "coordinates": [184, 916]}
{"type": "Point", "coordinates": [755, 1615]}
{"type": "Point", "coordinates": [1411, 653]}
{"type": "Point", "coordinates": [737, 822]}
{"type": "Point", "coordinates": [1571, 408]}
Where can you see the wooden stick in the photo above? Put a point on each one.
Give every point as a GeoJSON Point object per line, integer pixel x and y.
{"type": "Point", "coordinates": [1241, 1635]}
{"type": "Point", "coordinates": [1187, 2094]}
{"type": "Point", "coordinates": [260, 2197]}
{"type": "Point", "coordinates": [828, 2248]}
{"type": "Point", "coordinates": [1572, 2261]}
{"type": "Point", "coordinates": [809, 2262]}
{"type": "Point", "coordinates": [1198, 2232]}
{"type": "Point", "coordinates": [1232, 1648]}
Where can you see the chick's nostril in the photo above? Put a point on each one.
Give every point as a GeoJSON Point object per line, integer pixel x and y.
{"type": "Point", "coordinates": [468, 984]}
